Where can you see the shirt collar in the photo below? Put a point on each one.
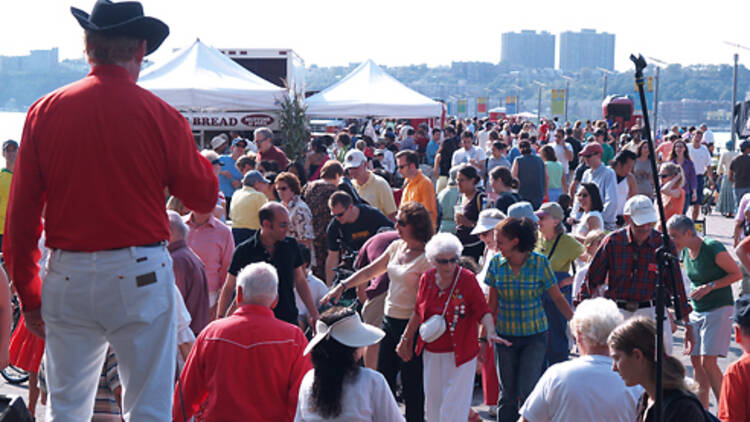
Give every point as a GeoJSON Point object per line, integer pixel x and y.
{"type": "Point", "coordinates": [210, 222]}
{"type": "Point", "coordinates": [256, 310]}
{"type": "Point", "coordinates": [631, 240]}
{"type": "Point", "coordinates": [416, 177]}
{"type": "Point", "coordinates": [111, 71]}
{"type": "Point", "coordinates": [177, 244]}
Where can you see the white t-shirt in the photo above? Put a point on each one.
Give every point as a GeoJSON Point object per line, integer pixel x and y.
{"type": "Point", "coordinates": [560, 155]}
{"type": "Point", "coordinates": [366, 398]}
{"type": "Point", "coordinates": [483, 139]}
{"type": "Point", "coordinates": [463, 156]}
{"type": "Point", "coordinates": [318, 289]}
{"type": "Point", "coordinates": [701, 158]}
{"type": "Point", "coordinates": [583, 389]}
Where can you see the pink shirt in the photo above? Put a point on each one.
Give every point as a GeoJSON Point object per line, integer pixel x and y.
{"type": "Point", "coordinates": [214, 245]}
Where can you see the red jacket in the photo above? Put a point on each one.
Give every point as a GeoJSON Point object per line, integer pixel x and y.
{"type": "Point", "coordinates": [246, 367]}
{"type": "Point", "coordinates": [466, 308]}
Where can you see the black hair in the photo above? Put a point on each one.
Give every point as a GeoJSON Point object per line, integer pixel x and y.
{"type": "Point", "coordinates": [270, 166]}
{"type": "Point", "coordinates": [333, 363]}
{"type": "Point", "coordinates": [410, 156]}
{"type": "Point", "coordinates": [596, 198]}
{"type": "Point", "coordinates": [522, 229]}
{"type": "Point", "coordinates": [623, 156]}
{"type": "Point", "coordinates": [499, 145]}
{"type": "Point", "coordinates": [470, 172]}
{"type": "Point", "coordinates": [306, 254]}
{"type": "Point", "coordinates": [504, 174]}
{"type": "Point", "coordinates": [299, 171]}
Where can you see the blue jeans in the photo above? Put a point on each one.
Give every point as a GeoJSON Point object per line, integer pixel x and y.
{"type": "Point", "coordinates": [519, 367]}
{"type": "Point", "coordinates": [558, 347]}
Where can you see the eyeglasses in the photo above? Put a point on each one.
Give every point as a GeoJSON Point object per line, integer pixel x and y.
{"type": "Point", "coordinates": [402, 166]}
{"type": "Point", "coordinates": [339, 215]}
{"type": "Point", "coordinates": [446, 261]}
{"type": "Point", "coordinates": [402, 223]}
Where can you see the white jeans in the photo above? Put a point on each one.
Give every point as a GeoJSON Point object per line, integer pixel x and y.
{"type": "Point", "coordinates": [651, 313]}
{"type": "Point", "coordinates": [447, 389]}
{"type": "Point", "coordinates": [123, 297]}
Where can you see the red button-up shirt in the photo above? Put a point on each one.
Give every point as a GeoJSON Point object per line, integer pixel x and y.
{"type": "Point", "coordinates": [246, 367]}
{"type": "Point", "coordinates": [99, 152]}
{"type": "Point", "coordinates": [465, 309]}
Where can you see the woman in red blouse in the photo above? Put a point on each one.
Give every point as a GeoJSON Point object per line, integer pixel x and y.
{"type": "Point", "coordinates": [450, 361]}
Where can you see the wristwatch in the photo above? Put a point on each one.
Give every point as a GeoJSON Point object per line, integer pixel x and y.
{"type": "Point", "coordinates": [712, 285]}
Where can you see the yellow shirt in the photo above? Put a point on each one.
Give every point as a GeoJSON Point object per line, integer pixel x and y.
{"type": "Point", "coordinates": [5, 178]}
{"type": "Point", "coordinates": [377, 193]}
{"type": "Point", "coordinates": [243, 210]}
{"type": "Point", "coordinates": [419, 189]}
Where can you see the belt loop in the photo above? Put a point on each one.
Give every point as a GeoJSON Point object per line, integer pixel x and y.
{"type": "Point", "coordinates": [56, 255]}
{"type": "Point", "coordinates": [132, 251]}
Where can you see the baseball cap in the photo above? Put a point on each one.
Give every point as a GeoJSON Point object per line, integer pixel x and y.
{"type": "Point", "coordinates": [553, 209]}
{"type": "Point", "coordinates": [487, 221]}
{"type": "Point", "coordinates": [8, 143]}
{"type": "Point", "coordinates": [252, 177]}
{"type": "Point", "coordinates": [522, 209]}
{"type": "Point", "coordinates": [354, 158]}
{"type": "Point", "coordinates": [742, 311]}
{"type": "Point", "coordinates": [239, 140]}
{"type": "Point", "coordinates": [590, 149]}
{"type": "Point", "coordinates": [217, 141]}
{"type": "Point", "coordinates": [641, 210]}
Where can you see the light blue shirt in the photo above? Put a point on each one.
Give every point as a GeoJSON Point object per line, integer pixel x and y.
{"type": "Point", "coordinates": [225, 185]}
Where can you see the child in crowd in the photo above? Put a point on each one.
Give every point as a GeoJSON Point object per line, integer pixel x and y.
{"type": "Point", "coordinates": [735, 386]}
{"type": "Point", "coordinates": [591, 243]}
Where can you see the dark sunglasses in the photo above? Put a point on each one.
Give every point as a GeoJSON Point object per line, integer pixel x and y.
{"type": "Point", "coordinates": [339, 215]}
{"type": "Point", "coordinates": [446, 261]}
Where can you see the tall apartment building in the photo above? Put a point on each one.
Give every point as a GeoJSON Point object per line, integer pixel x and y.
{"type": "Point", "coordinates": [528, 48]}
{"type": "Point", "coordinates": [586, 49]}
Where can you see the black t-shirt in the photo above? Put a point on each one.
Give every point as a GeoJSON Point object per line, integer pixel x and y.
{"type": "Point", "coordinates": [579, 172]}
{"type": "Point", "coordinates": [355, 234]}
{"type": "Point", "coordinates": [447, 148]}
{"type": "Point", "coordinates": [577, 147]}
{"type": "Point", "coordinates": [740, 166]}
{"type": "Point", "coordinates": [505, 200]}
{"type": "Point", "coordinates": [286, 258]}
{"type": "Point", "coordinates": [471, 211]}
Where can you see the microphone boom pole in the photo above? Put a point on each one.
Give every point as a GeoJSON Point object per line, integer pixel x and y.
{"type": "Point", "coordinates": [664, 255]}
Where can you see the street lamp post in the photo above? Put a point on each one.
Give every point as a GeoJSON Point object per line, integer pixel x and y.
{"type": "Point", "coordinates": [539, 106]}
{"type": "Point", "coordinates": [734, 85]}
{"type": "Point", "coordinates": [606, 72]}
{"type": "Point", "coordinates": [567, 94]}
{"type": "Point", "coordinates": [656, 93]}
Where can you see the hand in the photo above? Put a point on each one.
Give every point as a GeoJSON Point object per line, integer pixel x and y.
{"type": "Point", "coordinates": [311, 320]}
{"type": "Point", "coordinates": [689, 339]}
{"type": "Point", "coordinates": [34, 322]}
{"type": "Point", "coordinates": [572, 221]}
{"type": "Point", "coordinates": [700, 291]}
{"type": "Point", "coordinates": [333, 295]}
{"type": "Point", "coordinates": [226, 174]}
{"type": "Point", "coordinates": [462, 220]}
{"type": "Point", "coordinates": [405, 350]}
{"type": "Point", "coordinates": [491, 336]}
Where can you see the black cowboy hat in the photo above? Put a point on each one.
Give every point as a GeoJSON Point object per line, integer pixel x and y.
{"type": "Point", "coordinates": [123, 18]}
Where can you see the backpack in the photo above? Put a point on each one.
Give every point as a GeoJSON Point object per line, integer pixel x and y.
{"type": "Point", "coordinates": [678, 394]}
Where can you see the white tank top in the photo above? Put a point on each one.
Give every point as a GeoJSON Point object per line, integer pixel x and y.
{"type": "Point", "coordinates": [623, 190]}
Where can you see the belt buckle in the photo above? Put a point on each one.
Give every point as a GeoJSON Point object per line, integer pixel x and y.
{"type": "Point", "coordinates": [631, 306]}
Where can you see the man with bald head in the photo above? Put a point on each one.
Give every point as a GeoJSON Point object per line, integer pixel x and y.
{"type": "Point", "coordinates": [271, 244]}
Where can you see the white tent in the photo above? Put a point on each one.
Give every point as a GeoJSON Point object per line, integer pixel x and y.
{"type": "Point", "coordinates": [201, 78]}
{"type": "Point", "coordinates": [368, 91]}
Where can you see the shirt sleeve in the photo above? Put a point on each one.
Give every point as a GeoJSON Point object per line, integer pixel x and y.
{"type": "Point", "coordinates": [332, 235]}
{"type": "Point", "coordinates": [300, 366]}
{"type": "Point", "coordinates": [474, 296]}
{"type": "Point", "coordinates": [24, 220]}
{"type": "Point", "coordinates": [227, 254]}
{"type": "Point", "coordinates": [298, 262]}
{"type": "Point", "coordinates": [237, 261]}
{"type": "Point", "coordinates": [536, 408]}
{"type": "Point", "coordinates": [192, 382]}
{"type": "Point", "coordinates": [383, 404]}
{"type": "Point", "coordinates": [733, 404]}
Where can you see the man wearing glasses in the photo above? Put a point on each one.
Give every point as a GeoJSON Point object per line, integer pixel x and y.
{"type": "Point", "coordinates": [271, 244]}
{"type": "Point", "coordinates": [267, 150]}
{"type": "Point", "coordinates": [352, 225]}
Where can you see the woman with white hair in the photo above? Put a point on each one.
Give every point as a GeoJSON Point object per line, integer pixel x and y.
{"type": "Point", "coordinates": [449, 296]}
{"type": "Point", "coordinates": [711, 271]}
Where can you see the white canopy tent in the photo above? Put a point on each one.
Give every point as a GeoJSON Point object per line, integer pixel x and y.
{"type": "Point", "coordinates": [201, 78]}
{"type": "Point", "coordinates": [368, 91]}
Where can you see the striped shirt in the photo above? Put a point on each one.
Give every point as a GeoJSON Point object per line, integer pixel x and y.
{"type": "Point", "coordinates": [519, 298]}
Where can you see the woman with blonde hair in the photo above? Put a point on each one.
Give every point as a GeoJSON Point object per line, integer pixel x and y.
{"type": "Point", "coordinates": [672, 193]}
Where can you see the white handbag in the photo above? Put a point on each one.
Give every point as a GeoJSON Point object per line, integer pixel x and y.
{"type": "Point", "coordinates": [434, 327]}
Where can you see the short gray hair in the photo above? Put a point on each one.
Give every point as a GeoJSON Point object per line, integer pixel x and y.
{"type": "Point", "coordinates": [682, 224]}
{"type": "Point", "coordinates": [259, 283]}
{"type": "Point", "coordinates": [176, 225]}
{"type": "Point", "coordinates": [594, 319]}
{"type": "Point", "coordinates": [210, 155]}
{"type": "Point", "coordinates": [266, 132]}
{"type": "Point", "coordinates": [442, 243]}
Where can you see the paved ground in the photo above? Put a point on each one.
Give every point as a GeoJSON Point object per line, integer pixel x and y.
{"type": "Point", "coordinates": [717, 227]}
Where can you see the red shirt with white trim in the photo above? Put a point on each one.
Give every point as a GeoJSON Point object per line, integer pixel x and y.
{"type": "Point", "coordinates": [99, 153]}
{"type": "Point", "coordinates": [246, 367]}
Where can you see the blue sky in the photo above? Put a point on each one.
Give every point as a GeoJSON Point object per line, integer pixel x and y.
{"type": "Point", "coordinates": [336, 32]}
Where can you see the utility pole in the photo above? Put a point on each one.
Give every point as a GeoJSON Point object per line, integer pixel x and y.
{"type": "Point", "coordinates": [567, 94]}
{"type": "Point", "coordinates": [734, 84]}
{"type": "Point", "coordinates": [606, 72]}
{"type": "Point", "coordinates": [656, 94]}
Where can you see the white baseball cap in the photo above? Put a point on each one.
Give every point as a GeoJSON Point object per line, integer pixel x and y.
{"type": "Point", "coordinates": [354, 158]}
{"type": "Point", "coordinates": [641, 210]}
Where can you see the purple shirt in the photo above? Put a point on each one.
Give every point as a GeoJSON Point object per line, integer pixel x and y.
{"type": "Point", "coordinates": [370, 251]}
{"type": "Point", "coordinates": [691, 180]}
{"type": "Point", "coordinates": [190, 277]}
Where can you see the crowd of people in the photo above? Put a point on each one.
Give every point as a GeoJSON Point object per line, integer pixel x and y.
{"type": "Point", "coordinates": [391, 263]}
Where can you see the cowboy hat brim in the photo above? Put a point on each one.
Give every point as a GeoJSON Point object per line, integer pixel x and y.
{"type": "Point", "coordinates": [151, 29]}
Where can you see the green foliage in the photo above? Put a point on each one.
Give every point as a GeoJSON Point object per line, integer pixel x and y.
{"type": "Point", "coordinates": [294, 125]}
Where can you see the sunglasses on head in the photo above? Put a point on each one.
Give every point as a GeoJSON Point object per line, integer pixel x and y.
{"type": "Point", "coordinates": [446, 261]}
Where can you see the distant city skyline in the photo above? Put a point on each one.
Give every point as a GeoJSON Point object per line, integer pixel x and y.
{"type": "Point", "coordinates": [395, 33]}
